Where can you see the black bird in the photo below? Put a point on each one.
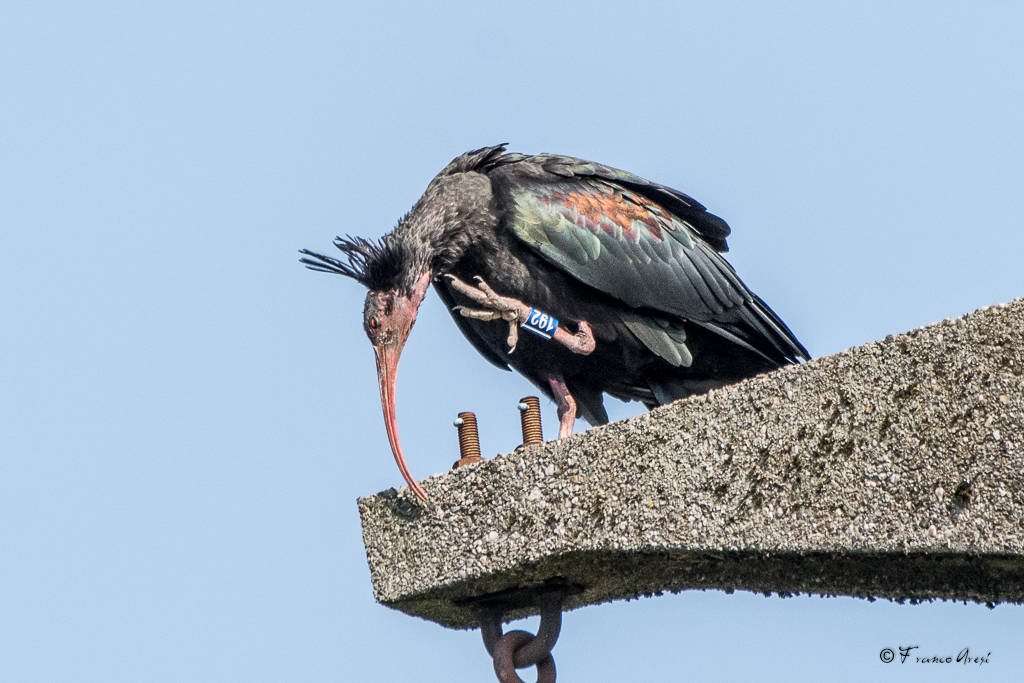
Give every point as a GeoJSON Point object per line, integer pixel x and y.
{"type": "Point", "coordinates": [621, 279]}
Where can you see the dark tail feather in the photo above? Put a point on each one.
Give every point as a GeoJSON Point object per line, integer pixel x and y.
{"type": "Point", "coordinates": [782, 337]}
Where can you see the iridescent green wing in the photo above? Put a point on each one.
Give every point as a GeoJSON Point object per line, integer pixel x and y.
{"type": "Point", "coordinates": [613, 231]}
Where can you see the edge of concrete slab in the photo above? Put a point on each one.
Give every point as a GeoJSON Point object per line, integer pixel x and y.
{"type": "Point", "coordinates": [894, 469]}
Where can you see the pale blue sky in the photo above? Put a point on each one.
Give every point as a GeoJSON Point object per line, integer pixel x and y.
{"type": "Point", "coordinates": [188, 415]}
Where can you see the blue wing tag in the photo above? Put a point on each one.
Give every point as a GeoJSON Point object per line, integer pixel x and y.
{"type": "Point", "coordinates": [541, 323]}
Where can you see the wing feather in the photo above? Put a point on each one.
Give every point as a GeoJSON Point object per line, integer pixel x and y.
{"type": "Point", "coordinates": [604, 227]}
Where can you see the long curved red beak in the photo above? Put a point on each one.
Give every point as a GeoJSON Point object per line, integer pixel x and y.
{"type": "Point", "coordinates": [387, 371]}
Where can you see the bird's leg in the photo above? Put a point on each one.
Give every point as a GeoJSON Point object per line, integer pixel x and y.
{"type": "Point", "coordinates": [582, 342]}
{"type": "Point", "coordinates": [566, 406]}
{"type": "Point", "coordinates": [516, 313]}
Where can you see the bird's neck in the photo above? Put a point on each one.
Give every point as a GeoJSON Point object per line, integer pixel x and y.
{"type": "Point", "coordinates": [453, 216]}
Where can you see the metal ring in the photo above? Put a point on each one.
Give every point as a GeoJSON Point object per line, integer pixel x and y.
{"type": "Point", "coordinates": [490, 627]}
{"type": "Point", "coordinates": [540, 646]}
{"type": "Point", "coordinates": [505, 655]}
{"type": "Point", "coordinates": [521, 649]}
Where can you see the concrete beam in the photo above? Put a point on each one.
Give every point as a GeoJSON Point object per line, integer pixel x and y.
{"type": "Point", "coordinates": [894, 469]}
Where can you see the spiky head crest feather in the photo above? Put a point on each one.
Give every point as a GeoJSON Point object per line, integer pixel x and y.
{"type": "Point", "coordinates": [379, 265]}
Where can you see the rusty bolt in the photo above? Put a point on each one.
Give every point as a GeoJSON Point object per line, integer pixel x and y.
{"type": "Point", "coordinates": [469, 440]}
{"type": "Point", "coordinates": [529, 417]}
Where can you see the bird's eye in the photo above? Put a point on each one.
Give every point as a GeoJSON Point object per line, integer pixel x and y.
{"type": "Point", "coordinates": [374, 324]}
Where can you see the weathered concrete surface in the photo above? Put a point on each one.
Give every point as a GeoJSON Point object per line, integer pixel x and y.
{"type": "Point", "coordinates": [894, 469]}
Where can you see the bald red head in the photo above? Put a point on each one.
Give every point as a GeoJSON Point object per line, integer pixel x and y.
{"type": "Point", "coordinates": [388, 317]}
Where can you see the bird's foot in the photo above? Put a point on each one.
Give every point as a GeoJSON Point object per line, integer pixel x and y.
{"type": "Point", "coordinates": [515, 312]}
{"type": "Point", "coordinates": [496, 307]}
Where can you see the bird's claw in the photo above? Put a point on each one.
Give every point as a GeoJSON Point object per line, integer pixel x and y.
{"type": "Point", "coordinates": [513, 336]}
{"type": "Point", "coordinates": [495, 306]}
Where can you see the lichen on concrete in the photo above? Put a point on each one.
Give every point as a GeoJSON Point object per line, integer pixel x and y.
{"type": "Point", "coordinates": [894, 469]}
